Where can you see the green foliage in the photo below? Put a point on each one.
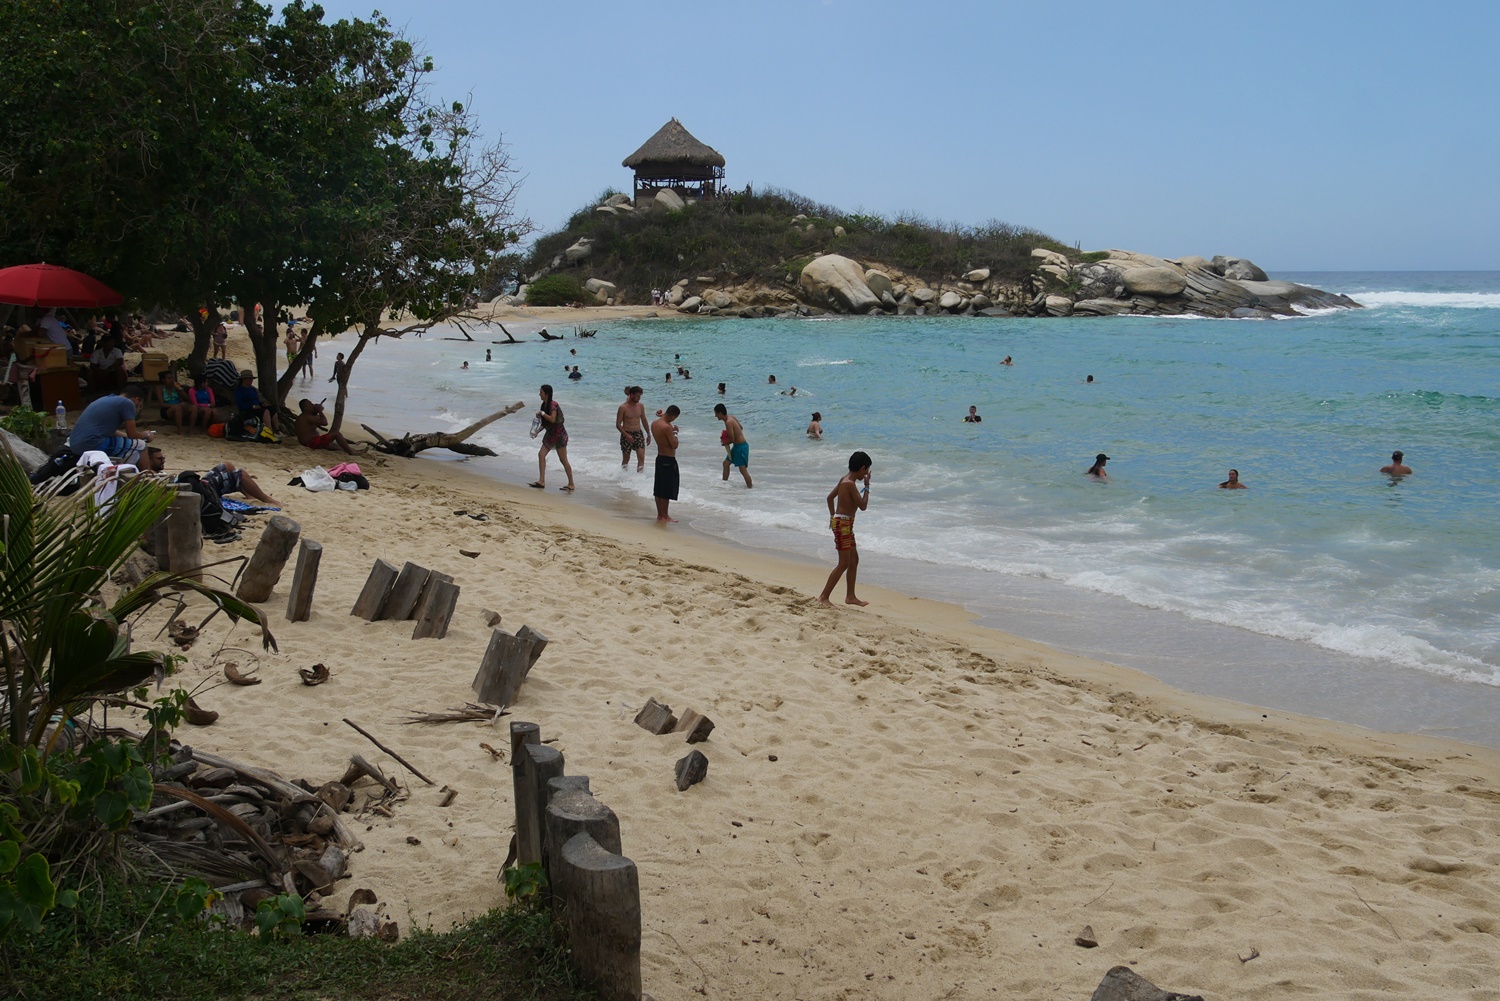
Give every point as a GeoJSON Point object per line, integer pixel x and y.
{"type": "Point", "coordinates": [280, 915]}
{"type": "Point", "coordinates": [133, 944]}
{"type": "Point", "coordinates": [751, 237]}
{"type": "Point", "coordinates": [1093, 256]}
{"type": "Point", "coordinates": [555, 290]}
{"type": "Point", "coordinates": [524, 881]}
{"type": "Point", "coordinates": [26, 424]}
{"type": "Point", "coordinates": [193, 898]}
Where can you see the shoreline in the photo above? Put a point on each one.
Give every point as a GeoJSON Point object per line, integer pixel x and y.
{"type": "Point", "coordinates": [895, 794]}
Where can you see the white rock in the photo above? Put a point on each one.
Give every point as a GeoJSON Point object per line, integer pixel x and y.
{"type": "Point", "coordinates": [1154, 281]}
{"type": "Point", "coordinates": [1193, 262]}
{"type": "Point", "coordinates": [1050, 256]}
{"type": "Point", "coordinates": [950, 300]}
{"type": "Point", "coordinates": [618, 200]}
{"type": "Point", "coordinates": [1059, 305]}
{"type": "Point", "coordinates": [598, 284]}
{"type": "Point", "coordinates": [838, 231]}
{"type": "Point", "coordinates": [681, 284]}
{"type": "Point", "coordinates": [1102, 307]}
{"type": "Point", "coordinates": [1239, 269]}
{"type": "Point", "coordinates": [799, 217]}
{"type": "Point", "coordinates": [1058, 271]}
{"type": "Point", "coordinates": [606, 210]}
{"type": "Point", "coordinates": [521, 292]}
{"type": "Point", "coordinates": [923, 295]}
{"type": "Point", "coordinates": [670, 200]}
{"type": "Point", "coordinates": [837, 283]}
{"type": "Point", "coordinates": [1130, 257]}
{"type": "Point", "coordinates": [719, 300]}
{"type": "Point", "coordinates": [898, 291]}
{"type": "Point", "coordinates": [879, 282]}
{"type": "Point", "coordinates": [579, 251]}
{"type": "Point", "coordinates": [978, 275]}
{"type": "Point", "coordinates": [981, 301]}
{"type": "Point", "coordinates": [690, 305]}
{"type": "Point", "coordinates": [30, 456]}
{"type": "Point", "coordinates": [676, 294]}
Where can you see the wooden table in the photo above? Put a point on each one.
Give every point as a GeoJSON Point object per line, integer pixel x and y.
{"type": "Point", "coordinates": [59, 384]}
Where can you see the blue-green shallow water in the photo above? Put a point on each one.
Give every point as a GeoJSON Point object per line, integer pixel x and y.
{"type": "Point", "coordinates": [1325, 588]}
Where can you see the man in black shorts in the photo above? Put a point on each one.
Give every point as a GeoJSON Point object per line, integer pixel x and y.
{"type": "Point", "coordinates": [665, 433]}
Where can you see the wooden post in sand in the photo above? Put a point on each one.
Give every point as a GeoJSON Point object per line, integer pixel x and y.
{"type": "Point", "coordinates": [270, 556]}
{"type": "Point", "coordinates": [185, 535]}
{"type": "Point", "coordinates": [572, 810]}
{"type": "Point", "coordinates": [402, 601]}
{"type": "Point", "coordinates": [597, 895]}
{"type": "Point", "coordinates": [372, 597]}
{"type": "Point", "coordinates": [507, 661]}
{"type": "Point", "coordinates": [533, 765]}
{"type": "Point", "coordinates": [304, 580]}
{"type": "Point", "coordinates": [439, 599]}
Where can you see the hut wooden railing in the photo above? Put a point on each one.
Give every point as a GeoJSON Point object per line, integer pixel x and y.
{"type": "Point", "coordinates": [594, 890]}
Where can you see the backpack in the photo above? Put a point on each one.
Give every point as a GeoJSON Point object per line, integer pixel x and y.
{"type": "Point", "coordinates": [57, 463]}
{"type": "Point", "coordinates": [215, 519]}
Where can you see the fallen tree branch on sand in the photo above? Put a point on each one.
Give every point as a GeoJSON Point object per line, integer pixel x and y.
{"type": "Point", "coordinates": [454, 441]}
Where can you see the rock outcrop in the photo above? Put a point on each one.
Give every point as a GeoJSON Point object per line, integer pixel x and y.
{"type": "Point", "coordinates": [837, 283]}
{"type": "Point", "coordinates": [670, 200]}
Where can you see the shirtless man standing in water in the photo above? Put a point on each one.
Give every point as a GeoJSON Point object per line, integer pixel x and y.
{"type": "Point", "coordinates": [630, 421]}
{"type": "Point", "coordinates": [665, 488]}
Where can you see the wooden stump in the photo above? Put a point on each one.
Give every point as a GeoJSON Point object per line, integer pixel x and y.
{"type": "Point", "coordinates": [401, 603]}
{"type": "Point", "coordinates": [437, 610]}
{"type": "Point", "coordinates": [655, 717]}
{"type": "Point", "coordinates": [305, 579]}
{"type": "Point", "coordinates": [532, 770]}
{"type": "Point", "coordinates": [429, 593]}
{"type": "Point", "coordinates": [571, 810]}
{"type": "Point", "coordinates": [522, 732]}
{"type": "Point", "coordinates": [185, 535]}
{"type": "Point", "coordinates": [372, 597]}
{"type": "Point", "coordinates": [270, 556]}
{"type": "Point", "coordinates": [507, 661]}
{"type": "Point", "coordinates": [696, 725]}
{"type": "Point", "coordinates": [600, 905]}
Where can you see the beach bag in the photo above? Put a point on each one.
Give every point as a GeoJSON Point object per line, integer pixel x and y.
{"type": "Point", "coordinates": [57, 463]}
{"type": "Point", "coordinates": [536, 426]}
{"type": "Point", "coordinates": [317, 479]}
{"type": "Point", "coordinates": [242, 427]}
{"type": "Point", "coordinates": [216, 430]}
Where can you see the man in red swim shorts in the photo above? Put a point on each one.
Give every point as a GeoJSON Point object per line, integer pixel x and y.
{"type": "Point", "coordinates": [850, 495]}
{"type": "Point", "coordinates": [310, 421]}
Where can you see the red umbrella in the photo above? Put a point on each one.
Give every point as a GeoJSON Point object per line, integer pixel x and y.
{"type": "Point", "coordinates": [50, 285]}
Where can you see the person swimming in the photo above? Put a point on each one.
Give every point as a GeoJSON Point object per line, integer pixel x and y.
{"type": "Point", "coordinates": [1097, 469]}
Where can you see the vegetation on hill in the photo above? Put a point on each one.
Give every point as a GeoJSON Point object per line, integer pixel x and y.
{"type": "Point", "coordinates": [751, 236]}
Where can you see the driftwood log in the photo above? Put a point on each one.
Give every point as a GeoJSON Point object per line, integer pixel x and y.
{"type": "Point", "coordinates": [305, 581]}
{"type": "Point", "coordinates": [269, 559]}
{"type": "Point", "coordinates": [454, 441]}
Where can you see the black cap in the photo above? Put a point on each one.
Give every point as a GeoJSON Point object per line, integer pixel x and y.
{"type": "Point", "coordinates": [1101, 457]}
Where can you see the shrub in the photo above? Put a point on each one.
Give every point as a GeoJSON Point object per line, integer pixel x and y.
{"type": "Point", "coordinates": [1093, 256]}
{"type": "Point", "coordinates": [26, 424]}
{"type": "Point", "coordinates": [554, 290]}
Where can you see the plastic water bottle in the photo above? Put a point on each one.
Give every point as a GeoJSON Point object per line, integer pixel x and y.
{"type": "Point", "coordinates": [61, 413]}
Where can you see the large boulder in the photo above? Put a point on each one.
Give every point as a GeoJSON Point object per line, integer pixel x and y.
{"type": "Point", "coordinates": [1192, 262]}
{"type": "Point", "coordinates": [923, 295]}
{"type": "Point", "coordinates": [1129, 258]}
{"type": "Point", "coordinates": [1059, 305]}
{"type": "Point", "coordinates": [839, 284]}
{"type": "Point", "coordinates": [879, 282]}
{"type": "Point", "coordinates": [1058, 271]}
{"type": "Point", "coordinates": [30, 456]}
{"type": "Point", "coordinates": [981, 301]}
{"type": "Point", "coordinates": [583, 248]}
{"type": "Point", "coordinates": [1101, 307]}
{"type": "Point", "coordinates": [978, 275]}
{"type": "Point", "coordinates": [676, 294]}
{"type": "Point", "coordinates": [597, 285]}
{"type": "Point", "coordinates": [1239, 269]}
{"type": "Point", "coordinates": [1050, 257]}
{"type": "Point", "coordinates": [606, 210]}
{"type": "Point", "coordinates": [617, 200]}
{"type": "Point", "coordinates": [1154, 281]}
{"type": "Point", "coordinates": [950, 300]}
{"type": "Point", "coordinates": [670, 200]}
{"type": "Point", "coordinates": [719, 300]}
{"type": "Point", "coordinates": [690, 304]}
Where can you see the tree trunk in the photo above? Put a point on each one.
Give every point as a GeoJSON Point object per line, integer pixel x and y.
{"type": "Point", "coordinates": [203, 332]}
{"type": "Point", "coordinates": [263, 343]}
{"type": "Point", "coordinates": [369, 330]}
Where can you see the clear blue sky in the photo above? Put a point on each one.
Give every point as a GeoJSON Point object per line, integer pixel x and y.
{"type": "Point", "coordinates": [1306, 136]}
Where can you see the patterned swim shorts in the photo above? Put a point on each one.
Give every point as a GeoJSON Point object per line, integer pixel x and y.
{"type": "Point", "coordinates": [631, 441]}
{"type": "Point", "coordinates": [843, 533]}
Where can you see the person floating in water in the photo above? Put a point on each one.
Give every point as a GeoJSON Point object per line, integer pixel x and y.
{"type": "Point", "coordinates": [1397, 466]}
{"type": "Point", "coordinates": [1097, 469]}
{"type": "Point", "coordinates": [1007, 361]}
{"type": "Point", "coordinates": [1233, 483]}
{"type": "Point", "coordinates": [973, 416]}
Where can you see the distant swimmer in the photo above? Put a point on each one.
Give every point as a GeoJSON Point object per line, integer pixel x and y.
{"type": "Point", "coordinates": [789, 392]}
{"type": "Point", "coordinates": [1089, 381]}
{"type": "Point", "coordinates": [721, 389]}
{"type": "Point", "coordinates": [771, 381]}
{"type": "Point", "coordinates": [815, 426]}
{"type": "Point", "coordinates": [486, 355]}
{"type": "Point", "coordinates": [973, 416]}
{"type": "Point", "coordinates": [669, 376]}
{"type": "Point", "coordinates": [1097, 469]}
{"type": "Point", "coordinates": [1007, 361]}
{"type": "Point", "coordinates": [1233, 483]}
{"type": "Point", "coordinates": [466, 366]}
{"type": "Point", "coordinates": [1397, 467]}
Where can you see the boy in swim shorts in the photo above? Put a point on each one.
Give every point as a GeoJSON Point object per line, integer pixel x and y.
{"type": "Point", "coordinates": [850, 495]}
{"type": "Point", "coordinates": [630, 421]}
{"type": "Point", "coordinates": [737, 449]}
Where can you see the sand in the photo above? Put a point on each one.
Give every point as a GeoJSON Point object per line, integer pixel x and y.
{"type": "Point", "coordinates": [899, 804]}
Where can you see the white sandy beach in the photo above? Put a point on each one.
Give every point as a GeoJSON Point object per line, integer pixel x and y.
{"type": "Point", "coordinates": [899, 804]}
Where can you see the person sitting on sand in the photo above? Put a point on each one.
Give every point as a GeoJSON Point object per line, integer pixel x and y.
{"type": "Point", "coordinates": [174, 405]}
{"type": "Point", "coordinates": [848, 497]}
{"type": "Point", "coordinates": [248, 402]}
{"type": "Point", "coordinates": [310, 422]}
{"type": "Point", "coordinates": [1097, 469]}
{"type": "Point", "coordinates": [227, 478]}
{"type": "Point", "coordinates": [1397, 467]}
{"type": "Point", "coordinates": [1233, 483]}
{"type": "Point", "coordinates": [973, 416]}
{"type": "Point", "coordinates": [815, 426]}
{"type": "Point", "coordinates": [204, 405]}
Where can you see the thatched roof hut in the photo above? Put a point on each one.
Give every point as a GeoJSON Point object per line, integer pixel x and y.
{"type": "Point", "coordinates": [674, 158]}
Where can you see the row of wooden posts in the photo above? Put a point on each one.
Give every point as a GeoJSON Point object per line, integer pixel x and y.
{"type": "Point", "coordinates": [413, 592]}
{"type": "Point", "coordinates": [593, 889]}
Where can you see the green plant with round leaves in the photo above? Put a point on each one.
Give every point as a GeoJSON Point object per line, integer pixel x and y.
{"type": "Point", "coordinates": [280, 915]}
{"type": "Point", "coordinates": [524, 881]}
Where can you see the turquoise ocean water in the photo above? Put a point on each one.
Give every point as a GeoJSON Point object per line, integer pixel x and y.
{"type": "Point", "coordinates": [1325, 588]}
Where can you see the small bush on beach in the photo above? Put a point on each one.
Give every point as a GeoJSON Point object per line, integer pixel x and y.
{"type": "Point", "coordinates": [554, 290]}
